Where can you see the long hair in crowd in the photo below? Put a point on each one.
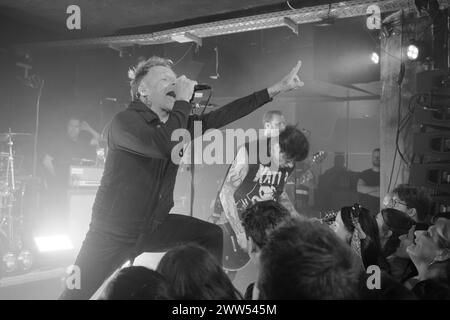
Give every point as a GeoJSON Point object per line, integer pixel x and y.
{"type": "Point", "coordinates": [371, 251]}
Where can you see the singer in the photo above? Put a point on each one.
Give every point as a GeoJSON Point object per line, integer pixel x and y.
{"type": "Point", "coordinates": [131, 210]}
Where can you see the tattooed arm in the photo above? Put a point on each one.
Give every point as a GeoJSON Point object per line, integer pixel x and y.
{"type": "Point", "coordinates": [233, 180]}
{"type": "Point", "coordinates": [286, 202]}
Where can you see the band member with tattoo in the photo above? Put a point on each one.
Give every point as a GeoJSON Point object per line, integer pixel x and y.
{"type": "Point", "coordinates": [247, 183]}
{"type": "Point", "coordinates": [131, 210]}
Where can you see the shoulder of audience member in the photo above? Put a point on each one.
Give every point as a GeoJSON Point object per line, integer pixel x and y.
{"type": "Point", "coordinates": [390, 289]}
{"type": "Point", "coordinates": [432, 289]}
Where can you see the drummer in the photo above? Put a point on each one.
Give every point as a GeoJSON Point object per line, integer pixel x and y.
{"type": "Point", "coordinates": [76, 146]}
{"type": "Point", "coordinates": [71, 148]}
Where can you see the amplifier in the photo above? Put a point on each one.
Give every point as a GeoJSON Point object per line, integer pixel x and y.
{"type": "Point", "coordinates": [439, 117]}
{"type": "Point", "coordinates": [85, 176]}
{"type": "Point", "coordinates": [81, 201]}
{"type": "Point", "coordinates": [434, 144]}
{"type": "Point", "coordinates": [433, 80]}
{"type": "Point", "coordinates": [436, 176]}
{"type": "Point", "coordinates": [442, 206]}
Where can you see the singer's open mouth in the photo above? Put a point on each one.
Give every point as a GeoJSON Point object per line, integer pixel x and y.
{"type": "Point", "coordinates": [171, 93]}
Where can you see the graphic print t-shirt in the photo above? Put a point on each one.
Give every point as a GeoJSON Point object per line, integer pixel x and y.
{"type": "Point", "coordinates": [261, 182]}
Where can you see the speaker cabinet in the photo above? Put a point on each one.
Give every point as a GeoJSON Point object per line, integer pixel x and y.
{"type": "Point", "coordinates": [80, 211]}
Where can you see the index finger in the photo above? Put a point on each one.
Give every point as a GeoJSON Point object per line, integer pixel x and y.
{"type": "Point", "coordinates": [297, 67]}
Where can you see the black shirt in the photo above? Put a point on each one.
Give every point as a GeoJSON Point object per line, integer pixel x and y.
{"type": "Point", "coordinates": [370, 177]}
{"type": "Point", "coordinates": [136, 191]}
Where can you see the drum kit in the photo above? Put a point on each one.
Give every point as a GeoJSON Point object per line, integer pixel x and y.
{"type": "Point", "coordinates": [12, 192]}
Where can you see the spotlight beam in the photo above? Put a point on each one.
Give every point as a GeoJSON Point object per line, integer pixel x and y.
{"type": "Point", "coordinates": [354, 87]}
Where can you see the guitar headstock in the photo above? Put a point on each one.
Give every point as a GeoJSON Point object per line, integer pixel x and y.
{"type": "Point", "coordinates": [329, 217]}
{"type": "Point", "coordinates": [308, 175]}
{"type": "Point", "coordinates": [318, 157]}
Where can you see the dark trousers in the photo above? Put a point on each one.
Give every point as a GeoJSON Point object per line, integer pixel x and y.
{"type": "Point", "coordinates": [101, 254]}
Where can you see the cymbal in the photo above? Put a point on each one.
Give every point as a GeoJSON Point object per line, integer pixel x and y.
{"type": "Point", "coordinates": [5, 136]}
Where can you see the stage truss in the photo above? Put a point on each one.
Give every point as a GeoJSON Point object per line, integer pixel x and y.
{"type": "Point", "coordinates": [288, 18]}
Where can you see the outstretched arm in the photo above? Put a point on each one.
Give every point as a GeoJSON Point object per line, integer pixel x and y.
{"type": "Point", "coordinates": [290, 82]}
{"type": "Point", "coordinates": [233, 180]}
{"type": "Point", "coordinates": [243, 106]}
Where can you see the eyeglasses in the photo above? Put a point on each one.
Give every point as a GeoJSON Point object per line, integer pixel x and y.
{"type": "Point", "coordinates": [393, 202]}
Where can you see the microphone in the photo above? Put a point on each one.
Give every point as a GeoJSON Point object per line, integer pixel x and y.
{"type": "Point", "coordinates": [111, 99]}
{"type": "Point", "coordinates": [201, 86]}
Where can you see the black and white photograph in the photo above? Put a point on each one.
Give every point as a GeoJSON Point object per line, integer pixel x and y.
{"type": "Point", "coordinates": [189, 151]}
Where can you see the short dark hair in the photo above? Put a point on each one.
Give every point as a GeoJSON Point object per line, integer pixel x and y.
{"type": "Point", "coordinates": [195, 274]}
{"type": "Point", "coordinates": [418, 198]}
{"type": "Point", "coordinates": [304, 259]}
{"type": "Point", "coordinates": [262, 218]}
{"type": "Point", "coordinates": [138, 283]}
{"type": "Point", "coordinates": [294, 143]}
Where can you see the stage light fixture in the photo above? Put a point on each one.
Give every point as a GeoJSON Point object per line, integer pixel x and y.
{"type": "Point", "coordinates": [9, 262]}
{"type": "Point", "coordinates": [375, 58]}
{"type": "Point", "coordinates": [25, 258]}
{"type": "Point", "coordinates": [412, 51]}
{"type": "Point", "coordinates": [418, 51]}
{"type": "Point", "coordinates": [53, 243]}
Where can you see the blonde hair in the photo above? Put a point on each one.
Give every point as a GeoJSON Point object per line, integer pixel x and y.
{"type": "Point", "coordinates": [136, 74]}
{"type": "Point", "coordinates": [268, 116]}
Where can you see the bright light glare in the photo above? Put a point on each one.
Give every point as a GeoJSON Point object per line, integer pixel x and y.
{"type": "Point", "coordinates": [53, 243]}
{"type": "Point", "coordinates": [10, 262]}
{"type": "Point", "coordinates": [412, 52]}
{"type": "Point", "coordinates": [375, 57]}
{"type": "Point", "coordinates": [26, 259]}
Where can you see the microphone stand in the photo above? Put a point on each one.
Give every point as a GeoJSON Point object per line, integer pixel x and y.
{"type": "Point", "coordinates": [35, 197]}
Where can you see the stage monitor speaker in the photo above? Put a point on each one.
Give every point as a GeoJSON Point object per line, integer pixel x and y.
{"type": "Point", "coordinates": [433, 144]}
{"type": "Point", "coordinates": [80, 212]}
{"type": "Point", "coordinates": [433, 81]}
{"type": "Point", "coordinates": [438, 118]}
{"type": "Point", "coordinates": [442, 206]}
{"type": "Point", "coordinates": [436, 176]}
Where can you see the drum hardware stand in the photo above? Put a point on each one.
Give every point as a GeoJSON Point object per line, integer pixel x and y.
{"type": "Point", "coordinates": [14, 243]}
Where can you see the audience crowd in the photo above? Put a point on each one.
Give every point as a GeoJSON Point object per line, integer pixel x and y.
{"type": "Point", "coordinates": [401, 252]}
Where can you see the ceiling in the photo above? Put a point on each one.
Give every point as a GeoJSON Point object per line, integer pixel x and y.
{"type": "Point", "coordinates": [23, 21]}
{"type": "Point", "coordinates": [47, 18]}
